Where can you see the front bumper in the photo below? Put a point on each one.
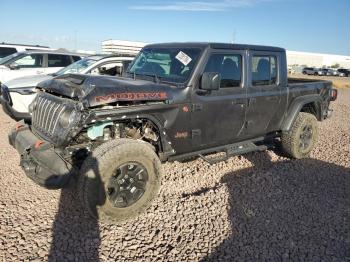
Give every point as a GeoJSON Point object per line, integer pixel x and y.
{"type": "Point", "coordinates": [39, 160]}
{"type": "Point", "coordinates": [6, 103]}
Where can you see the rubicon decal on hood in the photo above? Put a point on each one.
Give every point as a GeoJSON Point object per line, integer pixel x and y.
{"type": "Point", "coordinates": [132, 96]}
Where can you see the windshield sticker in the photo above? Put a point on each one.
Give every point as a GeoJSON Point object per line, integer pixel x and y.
{"type": "Point", "coordinates": [183, 58]}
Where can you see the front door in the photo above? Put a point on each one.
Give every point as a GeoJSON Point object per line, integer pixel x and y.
{"type": "Point", "coordinates": [218, 116]}
{"type": "Point", "coordinates": [28, 65]}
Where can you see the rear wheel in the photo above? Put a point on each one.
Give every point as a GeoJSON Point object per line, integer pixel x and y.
{"type": "Point", "coordinates": [302, 137]}
{"type": "Point", "coordinates": [119, 180]}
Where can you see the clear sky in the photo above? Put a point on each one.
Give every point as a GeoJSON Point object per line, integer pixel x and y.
{"type": "Point", "coordinates": [302, 25]}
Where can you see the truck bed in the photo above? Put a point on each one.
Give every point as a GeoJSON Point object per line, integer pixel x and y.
{"type": "Point", "coordinates": [298, 81]}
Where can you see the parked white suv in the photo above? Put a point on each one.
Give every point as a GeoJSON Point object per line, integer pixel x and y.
{"type": "Point", "coordinates": [17, 94]}
{"type": "Point", "coordinates": [9, 49]}
{"type": "Point", "coordinates": [34, 63]}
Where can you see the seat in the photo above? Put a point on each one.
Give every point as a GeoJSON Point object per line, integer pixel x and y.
{"type": "Point", "coordinates": [263, 71]}
{"type": "Point", "coordinates": [214, 64]}
{"type": "Point", "coordinates": [230, 74]}
{"type": "Point", "coordinates": [229, 70]}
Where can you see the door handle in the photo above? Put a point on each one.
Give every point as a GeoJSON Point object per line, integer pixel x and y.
{"type": "Point", "coordinates": [239, 102]}
{"type": "Point", "coordinates": [39, 72]}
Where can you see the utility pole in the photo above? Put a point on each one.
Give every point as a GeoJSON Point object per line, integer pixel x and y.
{"type": "Point", "coordinates": [75, 40]}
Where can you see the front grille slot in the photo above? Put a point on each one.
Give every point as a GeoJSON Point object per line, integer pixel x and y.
{"type": "Point", "coordinates": [46, 115]}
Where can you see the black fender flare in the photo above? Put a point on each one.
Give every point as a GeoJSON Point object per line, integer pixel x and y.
{"type": "Point", "coordinates": [296, 107]}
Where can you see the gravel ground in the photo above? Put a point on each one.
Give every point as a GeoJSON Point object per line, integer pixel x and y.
{"type": "Point", "coordinates": [255, 207]}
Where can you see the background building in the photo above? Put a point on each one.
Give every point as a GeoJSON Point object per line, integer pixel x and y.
{"type": "Point", "coordinates": [295, 58]}
{"type": "Point", "coordinates": [125, 48]}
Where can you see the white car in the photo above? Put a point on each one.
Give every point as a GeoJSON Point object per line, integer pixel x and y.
{"type": "Point", "coordinates": [37, 62]}
{"type": "Point", "coordinates": [9, 49]}
{"type": "Point", "coordinates": [17, 94]}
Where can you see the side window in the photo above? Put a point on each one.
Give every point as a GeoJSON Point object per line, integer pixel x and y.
{"type": "Point", "coordinates": [30, 61]}
{"type": "Point", "coordinates": [5, 51]}
{"type": "Point", "coordinates": [76, 58]}
{"type": "Point", "coordinates": [264, 69]}
{"type": "Point", "coordinates": [58, 60]}
{"type": "Point", "coordinates": [228, 66]}
{"type": "Point", "coordinates": [111, 69]}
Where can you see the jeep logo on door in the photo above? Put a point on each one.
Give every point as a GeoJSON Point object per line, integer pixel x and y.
{"type": "Point", "coordinates": [132, 97]}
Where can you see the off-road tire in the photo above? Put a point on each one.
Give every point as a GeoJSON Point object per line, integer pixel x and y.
{"type": "Point", "coordinates": [291, 140]}
{"type": "Point", "coordinates": [97, 170]}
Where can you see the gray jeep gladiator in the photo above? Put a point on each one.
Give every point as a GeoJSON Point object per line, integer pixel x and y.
{"type": "Point", "coordinates": [175, 102]}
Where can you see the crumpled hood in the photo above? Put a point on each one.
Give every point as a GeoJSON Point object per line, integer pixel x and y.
{"type": "Point", "coordinates": [27, 81]}
{"type": "Point", "coordinates": [99, 90]}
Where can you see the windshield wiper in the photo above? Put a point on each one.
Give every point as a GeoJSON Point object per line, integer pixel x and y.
{"type": "Point", "coordinates": [155, 76]}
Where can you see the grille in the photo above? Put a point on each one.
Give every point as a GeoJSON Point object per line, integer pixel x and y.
{"type": "Point", "coordinates": [46, 115]}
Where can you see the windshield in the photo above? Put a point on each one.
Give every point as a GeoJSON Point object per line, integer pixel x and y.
{"type": "Point", "coordinates": [168, 64]}
{"type": "Point", "coordinates": [76, 67]}
{"type": "Point", "coordinates": [8, 58]}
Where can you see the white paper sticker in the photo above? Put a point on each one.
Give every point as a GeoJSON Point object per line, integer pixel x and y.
{"type": "Point", "coordinates": [183, 58]}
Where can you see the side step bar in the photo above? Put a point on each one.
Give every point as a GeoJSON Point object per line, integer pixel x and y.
{"type": "Point", "coordinates": [229, 150]}
{"type": "Point", "coordinates": [234, 151]}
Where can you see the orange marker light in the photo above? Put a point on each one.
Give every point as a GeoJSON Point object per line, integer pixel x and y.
{"type": "Point", "coordinates": [38, 144]}
{"type": "Point", "coordinates": [18, 126]}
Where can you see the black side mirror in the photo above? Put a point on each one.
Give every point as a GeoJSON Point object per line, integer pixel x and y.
{"type": "Point", "coordinates": [13, 66]}
{"type": "Point", "coordinates": [210, 81]}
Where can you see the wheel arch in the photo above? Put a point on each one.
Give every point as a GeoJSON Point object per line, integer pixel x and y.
{"type": "Point", "coordinates": [308, 104]}
{"type": "Point", "coordinates": [165, 149]}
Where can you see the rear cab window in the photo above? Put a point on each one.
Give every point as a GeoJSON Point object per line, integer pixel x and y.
{"type": "Point", "coordinates": [76, 58]}
{"type": "Point", "coordinates": [58, 60]}
{"type": "Point", "coordinates": [5, 51]}
{"type": "Point", "coordinates": [264, 70]}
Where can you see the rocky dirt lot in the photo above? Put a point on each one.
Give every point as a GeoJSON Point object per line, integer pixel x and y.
{"type": "Point", "coordinates": [255, 207]}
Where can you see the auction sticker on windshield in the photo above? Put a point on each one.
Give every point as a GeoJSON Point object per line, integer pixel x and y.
{"type": "Point", "coordinates": [183, 58]}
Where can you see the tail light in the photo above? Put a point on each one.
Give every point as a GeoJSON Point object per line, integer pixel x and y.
{"type": "Point", "coordinates": [334, 94]}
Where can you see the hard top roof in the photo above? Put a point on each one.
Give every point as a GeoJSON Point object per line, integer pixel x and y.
{"type": "Point", "coordinates": [11, 44]}
{"type": "Point", "coordinates": [56, 52]}
{"type": "Point", "coordinates": [204, 45]}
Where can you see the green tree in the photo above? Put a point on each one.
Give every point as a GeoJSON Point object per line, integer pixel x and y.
{"type": "Point", "coordinates": [335, 65]}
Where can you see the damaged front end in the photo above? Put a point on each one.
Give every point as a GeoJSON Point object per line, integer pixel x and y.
{"type": "Point", "coordinates": [66, 127]}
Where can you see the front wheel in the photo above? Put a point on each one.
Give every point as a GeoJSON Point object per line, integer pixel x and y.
{"type": "Point", "coordinates": [119, 180]}
{"type": "Point", "coordinates": [299, 141]}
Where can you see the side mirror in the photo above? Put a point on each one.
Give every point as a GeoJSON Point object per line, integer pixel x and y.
{"type": "Point", "coordinates": [13, 66]}
{"type": "Point", "coordinates": [210, 81]}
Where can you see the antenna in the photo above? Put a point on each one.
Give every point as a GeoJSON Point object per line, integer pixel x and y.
{"type": "Point", "coordinates": [233, 37]}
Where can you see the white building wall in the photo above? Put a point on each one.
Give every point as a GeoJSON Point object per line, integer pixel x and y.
{"type": "Point", "coordinates": [316, 59]}
{"type": "Point", "coordinates": [122, 47]}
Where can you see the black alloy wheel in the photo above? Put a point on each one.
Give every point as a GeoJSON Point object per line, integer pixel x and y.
{"type": "Point", "coordinates": [306, 137]}
{"type": "Point", "coordinates": [127, 185]}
